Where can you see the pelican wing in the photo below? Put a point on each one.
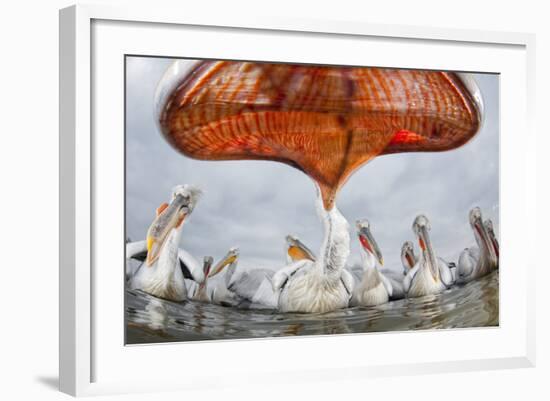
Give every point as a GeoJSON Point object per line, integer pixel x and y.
{"type": "Point", "coordinates": [132, 267]}
{"type": "Point", "coordinates": [190, 267]}
{"type": "Point", "coordinates": [192, 288]}
{"type": "Point", "coordinates": [136, 253]}
{"type": "Point", "coordinates": [445, 273]}
{"type": "Point", "coordinates": [265, 295]}
{"type": "Point", "coordinates": [136, 250]}
{"type": "Point", "coordinates": [348, 280]}
{"type": "Point", "coordinates": [282, 275]}
{"type": "Point", "coordinates": [252, 285]}
{"type": "Point", "coordinates": [387, 284]}
{"type": "Point", "coordinates": [409, 277]}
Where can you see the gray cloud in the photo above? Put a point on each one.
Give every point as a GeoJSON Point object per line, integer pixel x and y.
{"type": "Point", "coordinates": [254, 204]}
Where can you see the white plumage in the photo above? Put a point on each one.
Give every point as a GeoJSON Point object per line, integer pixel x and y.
{"type": "Point", "coordinates": [162, 273]}
{"type": "Point", "coordinates": [475, 262]}
{"type": "Point", "coordinates": [371, 286]}
{"type": "Point", "coordinates": [425, 277]}
{"type": "Point", "coordinates": [322, 285]}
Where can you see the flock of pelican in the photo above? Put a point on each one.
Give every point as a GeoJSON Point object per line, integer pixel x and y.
{"type": "Point", "coordinates": [308, 282]}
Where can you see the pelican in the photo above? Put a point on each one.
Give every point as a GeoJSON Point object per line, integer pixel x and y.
{"type": "Point", "coordinates": [214, 287]}
{"type": "Point", "coordinates": [322, 285]}
{"type": "Point", "coordinates": [166, 265]}
{"type": "Point", "coordinates": [372, 287]}
{"type": "Point", "coordinates": [491, 232]}
{"type": "Point", "coordinates": [425, 277]}
{"type": "Point", "coordinates": [475, 262]}
{"type": "Point", "coordinates": [408, 260]}
{"type": "Point", "coordinates": [447, 270]}
{"type": "Point", "coordinates": [217, 284]}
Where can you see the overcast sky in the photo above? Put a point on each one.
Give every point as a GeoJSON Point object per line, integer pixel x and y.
{"type": "Point", "coordinates": [254, 204]}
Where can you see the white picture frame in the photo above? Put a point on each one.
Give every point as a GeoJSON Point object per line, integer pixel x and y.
{"type": "Point", "coordinates": [93, 358]}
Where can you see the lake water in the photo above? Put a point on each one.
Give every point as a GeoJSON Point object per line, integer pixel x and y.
{"type": "Point", "coordinates": [152, 320]}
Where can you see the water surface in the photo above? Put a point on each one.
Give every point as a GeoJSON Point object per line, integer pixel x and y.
{"type": "Point", "coordinates": [152, 320]}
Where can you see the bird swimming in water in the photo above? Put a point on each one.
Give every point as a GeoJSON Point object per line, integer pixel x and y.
{"type": "Point", "coordinates": [447, 269]}
{"type": "Point", "coordinates": [322, 285]}
{"type": "Point", "coordinates": [371, 286]}
{"type": "Point", "coordinates": [165, 265]}
{"type": "Point", "coordinates": [214, 287]}
{"type": "Point", "coordinates": [408, 259]}
{"type": "Point", "coordinates": [477, 261]}
{"type": "Point", "coordinates": [426, 276]}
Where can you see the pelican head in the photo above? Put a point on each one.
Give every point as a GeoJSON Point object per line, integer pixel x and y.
{"type": "Point", "coordinates": [407, 256]}
{"type": "Point", "coordinates": [421, 227]}
{"type": "Point", "coordinates": [475, 217]}
{"type": "Point", "coordinates": [476, 221]}
{"type": "Point", "coordinates": [170, 216]}
{"type": "Point", "coordinates": [367, 240]}
{"type": "Point", "coordinates": [207, 265]}
{"type": "Point", "coordinates": [230, 258]}
{"type": "Point", "coordinates": [297, 250]}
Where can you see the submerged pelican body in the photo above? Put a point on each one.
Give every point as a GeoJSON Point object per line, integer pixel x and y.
{"type": "Point", "coordinates": [162, 273]}
{"type": "Point", "coordinates": [322, 285]}
{"type": "Point", "coordinates": [475, 262]}
{"type": "Point", "coordinates": [371, 286]}
{"type": "Point", "coordinates": [425, 277]}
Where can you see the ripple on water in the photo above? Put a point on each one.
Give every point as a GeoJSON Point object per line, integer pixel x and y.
{"type": "Point", "coordinates": [151, 320]}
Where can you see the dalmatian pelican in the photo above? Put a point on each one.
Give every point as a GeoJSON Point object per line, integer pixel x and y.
{"type": "Point", "coordinates": [477, 261]}
{"type": "Point", "coordinates": [371, 286]}
{"type": "Point", "coordinates": [426, 277]}
{"type": "Point", "coordinates": [165, 265]}
{"type": "Point", "coordinates": [322, 285]}
{"type": "Point", "coordinates": [409, 260]}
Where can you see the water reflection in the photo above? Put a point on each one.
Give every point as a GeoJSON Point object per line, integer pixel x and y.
{"type": "Point", "coordinates": [150, 319]}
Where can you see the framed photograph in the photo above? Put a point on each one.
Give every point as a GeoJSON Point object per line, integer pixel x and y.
{"type": "Point", "coordinates": [314, 189]}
